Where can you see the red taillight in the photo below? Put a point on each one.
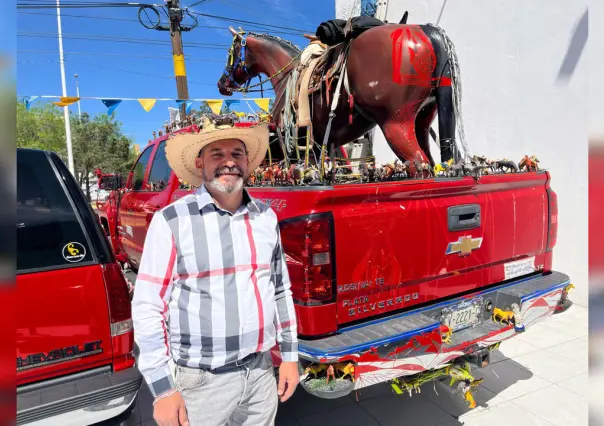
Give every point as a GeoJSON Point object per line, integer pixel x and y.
{"type": "Point", "coordinates": [120, 316]}
{"type": "Point", "coordinates": [308, 246]}
{"type": "Point", "coordinates": [552, 232]}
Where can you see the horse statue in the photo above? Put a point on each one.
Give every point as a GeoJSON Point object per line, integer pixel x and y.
{"type": "Point", "coordinates": [395, 76]}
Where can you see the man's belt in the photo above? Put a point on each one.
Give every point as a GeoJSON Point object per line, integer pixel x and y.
{"type": "Point", "coordinates": [235, 365]}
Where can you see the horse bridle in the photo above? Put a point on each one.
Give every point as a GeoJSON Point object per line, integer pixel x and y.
{"type": "Point", "coordinates": [237, 62]}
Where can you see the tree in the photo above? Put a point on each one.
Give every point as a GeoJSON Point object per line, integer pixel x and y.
{"type": "Point", "coordinates": [41, 127]}
{"type": "Point", "coordinates": [204, 108]}
{"type": "Point", "coordinates": [97, 142]}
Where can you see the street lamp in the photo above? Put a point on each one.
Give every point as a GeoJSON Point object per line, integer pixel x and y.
{"type": "Point", "coordinates": [78, 95]}
{"type": "Point", "coordinates": [65, 108]}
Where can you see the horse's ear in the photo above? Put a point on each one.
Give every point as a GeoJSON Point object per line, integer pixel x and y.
{"type": "Point", "coordinates": [234, 32]}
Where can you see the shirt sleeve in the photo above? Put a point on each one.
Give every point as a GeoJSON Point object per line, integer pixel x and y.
{"type": "Point", "coordinates": [152, 292]}
{"type": "Point", "coordinates": [285, 314]}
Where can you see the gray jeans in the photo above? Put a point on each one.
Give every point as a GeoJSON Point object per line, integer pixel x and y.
{"type": "Point", "coordinates": [247, 396]}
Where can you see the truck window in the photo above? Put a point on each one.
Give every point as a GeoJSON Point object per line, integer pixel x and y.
{"type": "Point", "coordinates": [160, 169]}
{"type": "Point", "coordinates": [138, 176]}
{"type": "Point", "coordinates": [49, 232]}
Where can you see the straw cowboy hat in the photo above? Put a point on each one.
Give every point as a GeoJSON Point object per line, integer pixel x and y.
{"type": "Point", "coordinates": [183, 148]}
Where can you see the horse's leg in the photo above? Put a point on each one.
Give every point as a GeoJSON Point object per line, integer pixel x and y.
{"type": "Point", "coordinates": [446, 120]}
{"type": "Point", "coordinates": [444, 95]}
{"type": "Point", "coordinates": [399, 130]}
{"type": "Point", "coordinates": [422, 128]}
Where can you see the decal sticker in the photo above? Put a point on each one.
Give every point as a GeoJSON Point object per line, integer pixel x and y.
{"type": "Point", "coordinates": [74, 252]}
{"type": "Point", "coordinates": [275, 204]}
{"type": "Point", "coordinates": [464, 245]}
{"type": "Point", "coordinates": [59, 355]}
{"type": "Point", "coordinates": [519, 268]}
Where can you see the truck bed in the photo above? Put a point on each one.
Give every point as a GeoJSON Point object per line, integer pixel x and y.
{"type": "Point", "coordinates": [400, 245]}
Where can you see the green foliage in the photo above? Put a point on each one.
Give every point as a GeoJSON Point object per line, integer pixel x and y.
{"type": "Point", "coordinates": [204, 108]}
{"type": "Point", "coordinates": [97, 142]}
{"type": "Point", "coordinates": [226, 109]}
{"type": "Point", "coordinates": [41, 128]}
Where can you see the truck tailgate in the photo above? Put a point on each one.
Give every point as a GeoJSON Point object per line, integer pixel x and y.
{"type": "Point", "coordinates": [402, 244]}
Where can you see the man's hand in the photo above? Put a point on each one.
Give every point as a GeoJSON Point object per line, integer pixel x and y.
{"type": "Point", "coordinates": [171, 411]}
{"type": "Point", "coordinates": [288, 380]}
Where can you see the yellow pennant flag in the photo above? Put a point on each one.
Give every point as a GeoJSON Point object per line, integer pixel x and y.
{"type": "Point", "coordinates": [263, 103]}
{"type": "Point", "coordinates": [66, 100]}
{"type": "Point", "coordinates": [239, 114]}
{"type": "Point", "coordinates": [215, 106]}
{"type": "Point", "coordinates": [147, 104]}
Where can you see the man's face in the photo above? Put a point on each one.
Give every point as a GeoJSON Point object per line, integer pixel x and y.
{"type": "Point", "coordinates": [224, 165]}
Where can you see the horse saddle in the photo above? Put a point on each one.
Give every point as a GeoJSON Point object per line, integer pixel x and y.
{"type": "Point", "coordinates": [315, 63]}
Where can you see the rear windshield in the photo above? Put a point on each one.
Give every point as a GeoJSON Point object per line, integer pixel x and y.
{"type": "Point", "coordinates": [49, 234]}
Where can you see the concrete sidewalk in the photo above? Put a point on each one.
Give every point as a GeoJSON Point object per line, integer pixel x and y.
{"type": "Point", "coordinates": [539, 378]}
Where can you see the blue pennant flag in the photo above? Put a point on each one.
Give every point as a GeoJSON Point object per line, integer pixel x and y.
{"type": "Point", "coordinates": [29, 101]}
{"type": "Point", "coordinates": [111, 104]}
{"type": "Point", "coordinates": [188, 105]}
{"type": "Point", "coordinates": [229, 102]}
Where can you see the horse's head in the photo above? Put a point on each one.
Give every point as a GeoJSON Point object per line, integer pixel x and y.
{"type": "Point", "coordinates": [253, 54]}
{"type": "Point", "coordinates": [240, 67]}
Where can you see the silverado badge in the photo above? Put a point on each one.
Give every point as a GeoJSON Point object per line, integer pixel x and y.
{"type": "Point", "coordinates": [464, 245]}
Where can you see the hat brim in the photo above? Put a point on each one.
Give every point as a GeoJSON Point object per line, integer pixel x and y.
{"type": "Point", "coordinates": [183, 148]}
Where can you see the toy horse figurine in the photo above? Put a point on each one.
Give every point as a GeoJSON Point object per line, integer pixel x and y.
{"type": "Point", "coordinates": [415, 77]}
{"type": "Point", "coordinates": [529, 163]}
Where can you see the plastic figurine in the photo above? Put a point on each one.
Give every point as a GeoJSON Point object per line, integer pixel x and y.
{"type": "Point", "coordinates": [505, 165]}
{"type": "Point", "coordinates": [466, 389]}
{"type": "Point", "coordinates": [346, 370]}
{"type": "Point", "coordinates": [502, 317]}
{"type": "Point", "coordinates": [529, 163]}
{"type": "Point", "coordinates": [509, 317]}
{"type": "Point", "coordinates": [315, 369]}
{"type": "Point", "coordinates": [441, 169]}
{"type": "Point", "coordinates": [330, 373]}
{"type": "Point", "coordinates": [446, 336]}
{"type": "Point", "coordinates": [458, 169]}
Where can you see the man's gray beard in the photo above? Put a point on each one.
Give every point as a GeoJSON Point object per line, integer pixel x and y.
{"type": "Point", "coordinates": [227, 188]}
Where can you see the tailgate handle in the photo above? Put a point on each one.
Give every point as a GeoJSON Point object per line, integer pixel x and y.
{"type": "Point", "coordinates": [465, 217]}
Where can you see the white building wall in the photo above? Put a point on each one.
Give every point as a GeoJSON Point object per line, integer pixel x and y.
{"type": "Point", "coordinates": [510, 53]}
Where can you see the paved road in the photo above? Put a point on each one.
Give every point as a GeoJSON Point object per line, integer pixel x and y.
{"type": "Point", "coordinates": [539, 378]}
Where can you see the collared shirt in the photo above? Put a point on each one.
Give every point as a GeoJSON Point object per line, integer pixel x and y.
{"type": "Point", "coordinates": [212, 288]}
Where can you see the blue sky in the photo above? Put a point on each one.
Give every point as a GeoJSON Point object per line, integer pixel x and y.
{"type": "Point", "coordinates": [116, 69]}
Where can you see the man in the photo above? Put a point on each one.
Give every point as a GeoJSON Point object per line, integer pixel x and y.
{"type": "Point", "coordinates": [213, 291]}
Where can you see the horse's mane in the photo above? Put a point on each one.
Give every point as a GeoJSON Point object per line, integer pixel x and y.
{"type": "Point", "coordinates": [286, 44]}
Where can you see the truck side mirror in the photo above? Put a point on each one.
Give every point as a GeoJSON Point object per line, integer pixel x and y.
{"type": "Point", "coordinates": [110, 183]}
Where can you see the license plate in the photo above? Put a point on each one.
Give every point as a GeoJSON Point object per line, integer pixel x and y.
{"type": "Point", "coordinates": [462, 316]}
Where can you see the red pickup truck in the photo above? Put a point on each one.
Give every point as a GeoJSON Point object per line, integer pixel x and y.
{"type": "Point", "coordinates": [75, 361]}
{"type": "Point", "coordinates": [390, 279]}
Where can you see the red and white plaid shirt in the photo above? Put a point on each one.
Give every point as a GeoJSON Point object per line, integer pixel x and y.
{"type": "Point", "coordinates": [212, 288]}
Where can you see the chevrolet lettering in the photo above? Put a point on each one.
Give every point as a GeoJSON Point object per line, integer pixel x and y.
{"type": "Point", "coordinates": [58, 355]}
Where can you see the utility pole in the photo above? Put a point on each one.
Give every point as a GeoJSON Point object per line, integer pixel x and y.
{"type": "Point", "coordinates": [176, 14]}
{"type": "Point", "coordinates": [65, 108]}
{"type": "Point", "coordinates": [150, 18]}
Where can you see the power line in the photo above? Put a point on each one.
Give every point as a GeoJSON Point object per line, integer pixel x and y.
{"type": "Point", "coordinates": [163, 77]}
{"type": "Point", "coordinates": [136, 20]}
{"type": "Point", "coordinates": [78, 5]}
{"type": "Point", "coordinates": [118, 40]}
{"type": "Point", "coordinates": [54, 52]}
{"type": "Point", "coordinates": [257, 12]}
{"type": "Point", "coordinates": [117, 69]}
{"type": "Point", "coordinates": [102, 36]}
{"type": "Point", "coordinates": [225, 18]}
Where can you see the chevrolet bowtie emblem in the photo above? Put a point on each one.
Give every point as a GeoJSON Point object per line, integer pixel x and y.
{"type": "Point", "coordinates": [464, 245]}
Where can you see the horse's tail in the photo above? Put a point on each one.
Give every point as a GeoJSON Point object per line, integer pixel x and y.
{"type": "Point", "coordinates": [452, 66]}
